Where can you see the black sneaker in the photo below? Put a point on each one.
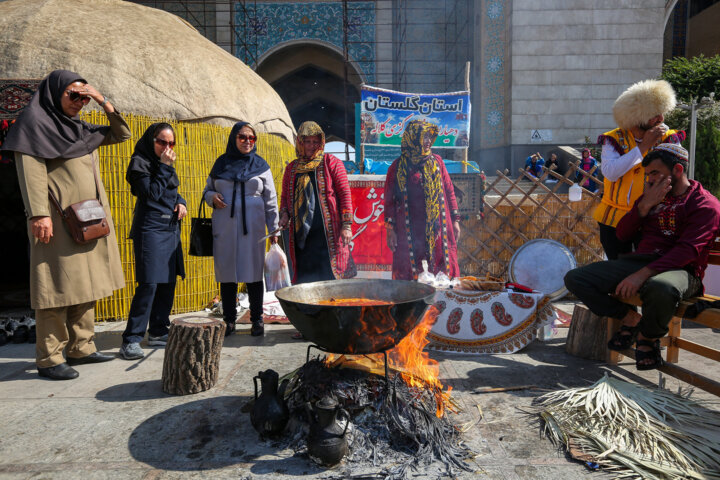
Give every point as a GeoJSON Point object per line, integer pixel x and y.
{"type": "Point", "coordinates": [257, 329]}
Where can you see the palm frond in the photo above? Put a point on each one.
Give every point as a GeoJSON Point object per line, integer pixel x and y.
{"type": "Point", "coordinates": [632, 430]}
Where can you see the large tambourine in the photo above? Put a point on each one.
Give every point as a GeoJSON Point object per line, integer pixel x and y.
{"type": "Point", "coordinates": [541, 264]}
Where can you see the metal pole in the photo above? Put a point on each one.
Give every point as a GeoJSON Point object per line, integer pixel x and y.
{"type": "Point", "coordinates": [232, 30]}
{"type": "Point", "coordinates": [345, 78]}
{"type": "Point", "coordinates": [693, 128]}
{"type": "Point", "coordinates": [467, 88]}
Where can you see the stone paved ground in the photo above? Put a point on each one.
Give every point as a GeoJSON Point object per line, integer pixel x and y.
{"type": "Point", "coordinates": [115, 422]}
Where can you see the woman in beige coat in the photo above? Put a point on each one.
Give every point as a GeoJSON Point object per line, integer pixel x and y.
{"type": "Point", "coordinates": [56, 151]}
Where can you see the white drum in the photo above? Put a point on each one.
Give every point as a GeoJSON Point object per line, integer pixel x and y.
{"type": "Point", "coordinates": [541, 264]}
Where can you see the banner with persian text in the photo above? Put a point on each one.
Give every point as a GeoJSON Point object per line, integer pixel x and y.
{"type": "Point", "coordinates": [384, 114]}
{"type": "Point", "coordinates": [369, 246]}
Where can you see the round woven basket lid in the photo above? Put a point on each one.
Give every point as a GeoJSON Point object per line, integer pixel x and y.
{"type": "Point", "coordinates": [541, 264]}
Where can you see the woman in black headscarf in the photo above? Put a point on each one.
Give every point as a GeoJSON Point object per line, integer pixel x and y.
{"type": "Point", "coordinates": [241, 191]}
{"type": "Point", "coordinates": [56, 151]}
{"type": "Point", "coordinates": [156, 238]}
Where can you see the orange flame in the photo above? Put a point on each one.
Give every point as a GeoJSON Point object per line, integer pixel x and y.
{"type": "Point", "coordinates": [414, 363]}
{"type": "Point", "coordinates": [408, 357]}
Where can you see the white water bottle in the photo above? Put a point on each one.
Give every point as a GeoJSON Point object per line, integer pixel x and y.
{"type": "Point", "coordinates": [575, 193]}
{"type": "Point", "coordinates": [425, 276]}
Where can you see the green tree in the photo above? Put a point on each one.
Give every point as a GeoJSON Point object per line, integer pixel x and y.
{"type": "Point", "coordinates": [692, 79]}
{"type": "Point", "coordinates": [593, 147]}
{"type": "Point", "coordinates": [707, 157]}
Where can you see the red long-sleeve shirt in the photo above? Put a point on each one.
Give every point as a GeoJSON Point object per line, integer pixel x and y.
{"type": "Point", "coordinates": [685, 237]}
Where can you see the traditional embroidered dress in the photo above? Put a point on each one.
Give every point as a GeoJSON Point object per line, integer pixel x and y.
{"type": "Point", "coordinates": [620, 195]}
{"type": "Point", "coordinates": [420, 205]}
{"type": "Point", "coordinates": [316, 196]}
{"type": "Point", "coordinates": [587, 164]}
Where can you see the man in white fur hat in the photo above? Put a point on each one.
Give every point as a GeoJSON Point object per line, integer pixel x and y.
{"type": "Point", "coordinates": [639, 112]}
{"type": "Point", "coordinates": [677, 220]}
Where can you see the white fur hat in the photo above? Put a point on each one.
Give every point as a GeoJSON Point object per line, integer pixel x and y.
{"type": "Point", "coordinates": [643, 101]}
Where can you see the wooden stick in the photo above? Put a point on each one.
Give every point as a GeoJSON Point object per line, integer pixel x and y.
{"type": "Point", "coordinates": [505, 389]}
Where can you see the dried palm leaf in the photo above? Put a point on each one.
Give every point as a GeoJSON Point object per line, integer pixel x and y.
{"type": "Point", "coordinates": [633, 430]}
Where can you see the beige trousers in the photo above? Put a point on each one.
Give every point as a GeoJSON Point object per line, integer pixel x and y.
{"type": "Point", "coordinates": [57, 328]}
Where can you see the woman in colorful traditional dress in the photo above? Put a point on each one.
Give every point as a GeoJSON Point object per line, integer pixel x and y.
{"type": "Point", "coordinates": [317, 206]}
{"type": "Point", "coordinates": [56, 152]}
{"type": "Point", "coordinates": [421, 214]}
{"type": "Point", "coordinates": [241, 191]}
{"type": "Point", "coordinates": [587, 163]}
{"type": "Point", "coordinates": [155, 233]}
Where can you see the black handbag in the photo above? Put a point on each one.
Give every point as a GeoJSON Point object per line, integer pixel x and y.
{"type": "Point", "coordinates": [201, 236]}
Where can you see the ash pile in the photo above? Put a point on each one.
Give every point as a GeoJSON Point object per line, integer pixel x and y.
{"type": "Point", "coordinates": [344, 413]}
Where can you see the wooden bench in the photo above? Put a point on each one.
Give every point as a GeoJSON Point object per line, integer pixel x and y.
{"type": "Point", "coordinates": [674, 342]}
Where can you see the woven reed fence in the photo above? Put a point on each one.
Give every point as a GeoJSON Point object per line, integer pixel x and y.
{"type": "Point", "coordinates": [524, 209]}
{"type": "Point", "coordinates": [197, 147]}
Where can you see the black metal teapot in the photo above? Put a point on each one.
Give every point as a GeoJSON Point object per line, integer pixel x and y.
{"type": "Point", "coordinates": [269, 414]}
{"type": "Point", "coordinates": [327, 443]}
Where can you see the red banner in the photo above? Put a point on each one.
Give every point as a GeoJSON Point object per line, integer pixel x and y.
{"type": "Point", "coordinates": [369, 247]}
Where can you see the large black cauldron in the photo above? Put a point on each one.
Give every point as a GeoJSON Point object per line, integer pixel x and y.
{"type": "Point", "coordinates": [351, 329]}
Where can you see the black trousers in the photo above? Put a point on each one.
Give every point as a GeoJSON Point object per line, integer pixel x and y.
{"type": "Point", "coordinates": [660, 295]}
{"type": "Point", "coordinates": [228, 294]}
{"type": "Point", "coordinates": [612, 245]}
{"type": "Point", "coordinates": [151, 304]}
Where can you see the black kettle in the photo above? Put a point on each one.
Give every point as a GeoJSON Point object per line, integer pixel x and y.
{"type": "Point", "coordinates": [327, 443]}
{"type": "Point", "coordinates": [269, 414]}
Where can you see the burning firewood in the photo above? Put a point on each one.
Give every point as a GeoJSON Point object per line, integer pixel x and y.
{"type": "Point", "coordinates": [397, 429]}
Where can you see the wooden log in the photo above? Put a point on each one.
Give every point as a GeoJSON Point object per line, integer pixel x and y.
{"type": "Point", "coordinates": [588, 336]}
{"type": "Point", "coordinates": [192, 355]}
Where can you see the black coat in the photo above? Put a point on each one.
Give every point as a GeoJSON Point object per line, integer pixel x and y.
{"type": "Point", "coordinates": [155, 229]}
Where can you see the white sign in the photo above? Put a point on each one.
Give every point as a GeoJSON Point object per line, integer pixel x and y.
{"type": "Point", "coordinates": [539, 136]}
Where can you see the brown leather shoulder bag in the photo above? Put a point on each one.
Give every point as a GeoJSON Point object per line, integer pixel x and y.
{"type": "Point", "coordinates": [85, 220]}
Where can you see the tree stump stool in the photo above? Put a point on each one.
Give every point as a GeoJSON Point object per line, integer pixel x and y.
{"type": "Point", "coordinates": [192, 355]}
{"type": "Point", "coordinates": [588, 336]}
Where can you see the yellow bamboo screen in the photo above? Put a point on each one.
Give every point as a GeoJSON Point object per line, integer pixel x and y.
{"type": "Point", "coordinates": [197, 147]}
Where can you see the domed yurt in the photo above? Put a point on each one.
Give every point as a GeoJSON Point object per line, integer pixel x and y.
{"type": "Point", "coordinates": [153, 66]}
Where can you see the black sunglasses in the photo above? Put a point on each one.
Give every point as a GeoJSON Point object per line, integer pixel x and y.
{"type": "Point", "coordinates": [164, 143]}
{"type": "Point", "coordinates": [75, 96]}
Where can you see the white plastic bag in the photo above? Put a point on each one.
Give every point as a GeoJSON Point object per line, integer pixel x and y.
{"type": "Point", "coordinates": [442, 280]}
{"type": "Point", "coordinates": [425, 276]}
{"type": "Point", "coordinates": [277, 273]}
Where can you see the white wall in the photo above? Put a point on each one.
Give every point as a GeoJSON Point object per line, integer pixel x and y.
{"type": "Point", "coordinates": [572, 58]}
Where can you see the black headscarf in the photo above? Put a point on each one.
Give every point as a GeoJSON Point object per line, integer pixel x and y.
{"type": "Point", "coordinates": [144, 160]}
{"type": "Point", "coordinates": [236, 166]}
{"type": "Point", "coordinates": [44, 131]}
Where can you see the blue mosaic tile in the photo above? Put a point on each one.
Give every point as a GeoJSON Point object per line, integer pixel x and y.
{"type": "Point", "coordinates": [495, 10]}
{"type": "Point", "coordinates": [272, 24]}
{"type": "Point", "coordinates": [492, 129]}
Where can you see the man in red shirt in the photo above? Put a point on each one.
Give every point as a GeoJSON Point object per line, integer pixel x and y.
{"type": "Point", "coordinates": [678, 221]}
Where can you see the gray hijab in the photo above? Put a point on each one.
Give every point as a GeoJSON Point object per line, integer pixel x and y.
{"type": "Point", "coordinates": [44, 131]}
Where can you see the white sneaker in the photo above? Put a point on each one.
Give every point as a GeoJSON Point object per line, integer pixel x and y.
{"type": "Point", "coordinates": [157, 341]}
{"type": "Point", "coordinates": [131, 351]}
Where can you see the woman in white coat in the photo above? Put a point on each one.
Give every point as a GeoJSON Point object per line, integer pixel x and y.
{"type": "Point", "coordinates": [241, 191]}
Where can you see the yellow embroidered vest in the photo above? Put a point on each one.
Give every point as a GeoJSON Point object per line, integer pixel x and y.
{"type": "Point", "coordinates": [619, 196]}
